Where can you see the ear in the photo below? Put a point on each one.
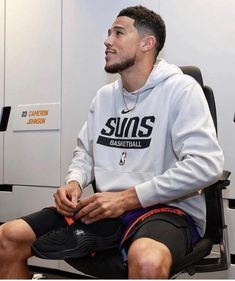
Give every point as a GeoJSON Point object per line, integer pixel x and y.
{"type": "Point", "coordinates": [148, 43]}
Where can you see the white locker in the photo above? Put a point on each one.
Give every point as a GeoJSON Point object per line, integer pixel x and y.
{"type": "Point", "coordinates": [32, 84]}
{"type": "Point", "coordinates": [23, 200]}
{"type": "Point", "coordinates": [2, 44]}
{"type": "Point", "coordinates": [229, 218]}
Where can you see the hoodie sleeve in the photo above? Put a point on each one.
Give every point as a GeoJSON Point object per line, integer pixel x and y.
{"type": "Point", "coordinates": [194, 142]}
{"type": "Point", "coordinates": [81, 168]}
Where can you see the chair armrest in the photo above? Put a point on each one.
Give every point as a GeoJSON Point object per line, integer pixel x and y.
{"type": "Point", "coordinates": [225, 175]}
{"type": "Point", "coordinates": [223, 182]}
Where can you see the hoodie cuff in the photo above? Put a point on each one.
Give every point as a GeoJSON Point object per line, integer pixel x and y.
{"type": "Point", "coordinates": [146, 193]}
{"type": "Point", "coordinates": [77, 178]}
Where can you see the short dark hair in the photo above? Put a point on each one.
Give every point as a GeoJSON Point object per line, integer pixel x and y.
{"type": "Point", "coordinates": [147, 20]}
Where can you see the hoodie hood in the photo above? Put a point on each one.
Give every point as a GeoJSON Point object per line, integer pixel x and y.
{"type": "Point", "coordinates": [161, 72]}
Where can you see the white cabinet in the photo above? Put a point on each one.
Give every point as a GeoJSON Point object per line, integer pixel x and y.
{"type": "Point", "coordinates": [2, 45]}
{"type": "Point", "coordinates": [230, 221]}
{"type": "Point", "coordinates": [32, 77]}
{"type": "Point", "coordinates": [23, 200]}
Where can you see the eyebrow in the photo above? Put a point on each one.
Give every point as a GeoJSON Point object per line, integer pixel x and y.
{"type": "Point", "coordinates": [116, 27]}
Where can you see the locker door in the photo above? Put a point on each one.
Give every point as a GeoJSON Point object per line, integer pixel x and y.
{"type": "Point", "coordinates": [33, 90]}
{"type": "Point", "coordinates": [1, 81]}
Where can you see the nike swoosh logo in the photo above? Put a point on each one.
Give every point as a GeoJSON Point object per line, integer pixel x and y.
{"type": "Point", "coordinates": [124, 111]}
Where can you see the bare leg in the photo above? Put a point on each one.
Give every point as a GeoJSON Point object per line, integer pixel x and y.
{"type": "Point", "coordinates": [16, 238]}
{"type": "Point", "coordinates": [148, 259]}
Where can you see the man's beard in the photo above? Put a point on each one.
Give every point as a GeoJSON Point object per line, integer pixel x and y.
{"type": "Point", "coordinates": [118, 67]}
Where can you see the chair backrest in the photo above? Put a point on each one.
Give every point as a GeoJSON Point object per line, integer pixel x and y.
{"type": "Point", "coordinates": [216, 228]}
{"type": "Point", "coordinates": [214, 204]}
{"type": "Point", "coordinates": [215, 217]}
{"type": "Point", "coordinates": [195, 72]}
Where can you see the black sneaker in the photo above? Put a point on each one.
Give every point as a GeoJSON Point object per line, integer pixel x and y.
{"type": "Point", "coordinates": [78, 240]}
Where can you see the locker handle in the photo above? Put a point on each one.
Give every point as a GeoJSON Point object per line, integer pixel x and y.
{"type": "Point", "coordinates": [5, 118]}
{"type": "Point", "coordinates": [232, 259]}
{"type": "Point", "coordinates": [231, 203]}
{"type": "Point", "coordinates": [6, 187]}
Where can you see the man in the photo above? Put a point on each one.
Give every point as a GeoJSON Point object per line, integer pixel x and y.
{"type": "Point", "coordinates": [149, 143]}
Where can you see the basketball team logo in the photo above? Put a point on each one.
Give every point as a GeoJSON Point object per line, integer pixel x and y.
{"type": "Point", "coordinates": [123, 159]}
{"type": "Point", "coordinates": [130, 133]}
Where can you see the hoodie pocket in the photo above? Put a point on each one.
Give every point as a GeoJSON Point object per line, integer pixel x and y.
{"type": "Point", "coordinates": [114, 180]}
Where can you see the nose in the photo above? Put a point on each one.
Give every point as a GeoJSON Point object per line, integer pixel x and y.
{"type": "Point", "coordinates": [108, 41]}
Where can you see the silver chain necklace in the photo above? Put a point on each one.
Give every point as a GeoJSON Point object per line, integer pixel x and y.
{"type": "Point", "coordinates": [125, 103]}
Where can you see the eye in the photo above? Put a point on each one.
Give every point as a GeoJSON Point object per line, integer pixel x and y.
{"type": "Point", "coordinates": [119, 33]}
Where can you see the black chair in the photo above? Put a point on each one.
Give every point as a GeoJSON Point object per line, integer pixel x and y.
{"type": "Point", "coordinates": [109, 265]}
{"type": "Point", "coordinates": [198, 260]}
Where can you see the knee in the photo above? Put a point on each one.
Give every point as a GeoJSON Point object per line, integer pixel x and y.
{"type": "Point", "coordinates": [15, 236]}
{"type": "Point", "coordinates": [146, 262]}
{"type": "Point", "coordinates": [6, 238]}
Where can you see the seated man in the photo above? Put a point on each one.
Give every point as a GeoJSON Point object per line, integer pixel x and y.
{"type": "Point", "coordinates": [149, 143]}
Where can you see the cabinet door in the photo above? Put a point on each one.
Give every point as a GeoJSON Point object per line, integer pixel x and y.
{"type": "Point", "coordinates": [24, 200]}
{"type": "Point", "coordinates": [33, 87]}
{"type": "Point", "coordinates": [1, 81]}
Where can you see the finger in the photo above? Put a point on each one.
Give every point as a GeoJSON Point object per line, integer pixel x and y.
{"type": "Point", "coordinates": [87, 200]}
{"type": "Point", "coordinates": [75, 196]}
{"type": "Point", "coordinates": [87, 210]}
{"type": "Point", "coordinates": [93, 215]}
{"type": "Point", "coordinates": [61, 208]}
{"type": "Point", "coordinates": [75, 199]}
{"type": "Point", "coordinates": [64, 200]}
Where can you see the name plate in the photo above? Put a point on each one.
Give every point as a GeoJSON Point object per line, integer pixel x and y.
{"type": "Point", "coordinates": [31, 117]}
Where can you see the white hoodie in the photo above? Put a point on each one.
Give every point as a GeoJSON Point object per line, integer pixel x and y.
{"type": "Point", "coordinates": [166, 147]}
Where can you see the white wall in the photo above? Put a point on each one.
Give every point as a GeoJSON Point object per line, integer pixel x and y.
{"type": "Point", "coordinates": [202, 33]}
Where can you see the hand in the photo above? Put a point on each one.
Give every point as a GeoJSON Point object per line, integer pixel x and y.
{"type": "Point", "coordinates": [99, 206]}
{"type": "Point", "coordinates": [66, 198]}
{"type": "Point", "coordinates": [103, 205]}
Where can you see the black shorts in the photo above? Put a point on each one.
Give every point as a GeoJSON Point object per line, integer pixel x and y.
{"type": "Point", "coordinates": [172, 230]}
{"type": "Point", "coordinates": [45, 220]}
